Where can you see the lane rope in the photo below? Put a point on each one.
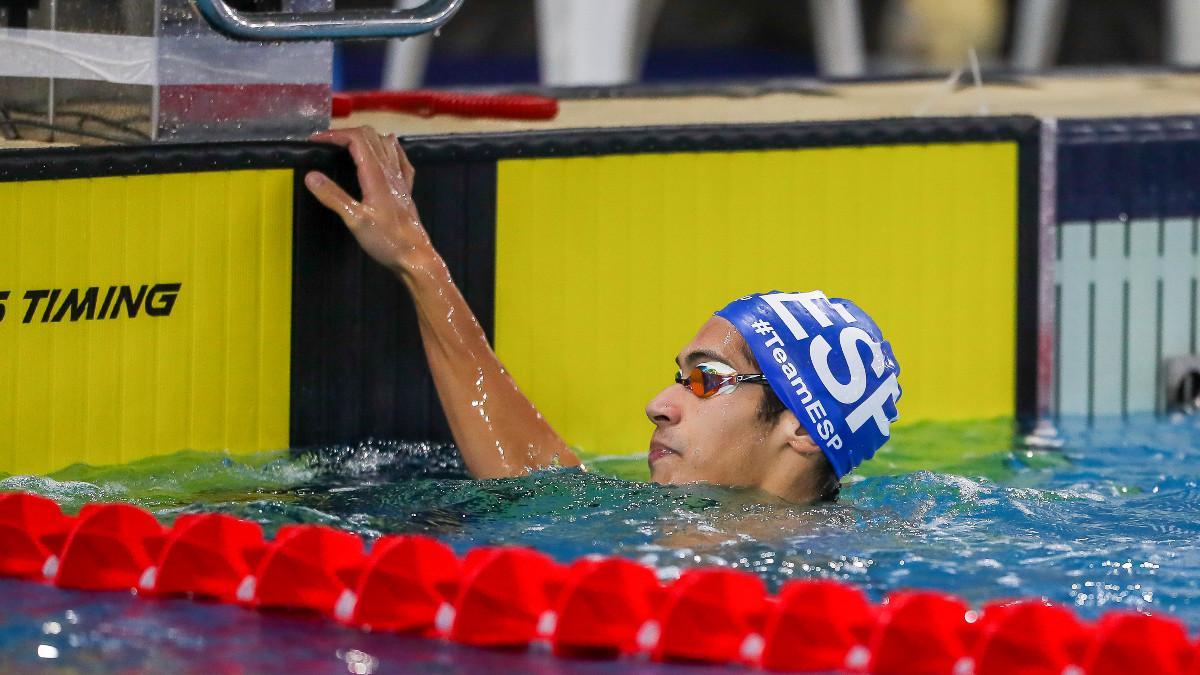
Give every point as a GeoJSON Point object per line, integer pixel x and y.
{"type": "Point", "coordinates": [596, 607]}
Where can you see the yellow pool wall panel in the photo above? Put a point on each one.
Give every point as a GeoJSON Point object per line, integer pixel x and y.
{"type": "Point", "coordinates": [104, 385]}
{"type": "Point", "coordinates": [606, 266]}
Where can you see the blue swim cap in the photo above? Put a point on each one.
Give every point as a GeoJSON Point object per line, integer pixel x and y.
{"type": "Point", "coordinates": [829, 364]}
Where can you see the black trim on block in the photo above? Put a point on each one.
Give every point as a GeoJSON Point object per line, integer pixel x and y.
{"type": "Point", "coordinates": [1028, 265]}
{"type": "Point", "coordinates": [720, 137]}
{"type": "Point", "coordinates": [358, 366]}
{"type": "Point", "coordinates": [91, 162]}
{"type": "Point", "coordinates": [136, 160]}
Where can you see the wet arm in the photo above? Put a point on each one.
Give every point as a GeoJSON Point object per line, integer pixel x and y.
{"type": "Point", "coordinates": [496, 427]}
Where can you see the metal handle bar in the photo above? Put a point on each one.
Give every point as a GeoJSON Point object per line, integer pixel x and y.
{"type": "Point", "coordinates": [331, 25]}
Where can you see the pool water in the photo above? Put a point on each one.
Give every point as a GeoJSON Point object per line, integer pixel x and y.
{"type": "Point", "coordinates": [1096, 518]}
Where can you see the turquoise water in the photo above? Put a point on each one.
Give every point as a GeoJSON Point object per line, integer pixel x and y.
{"type": "Point", "coordinates": [1109, 519]}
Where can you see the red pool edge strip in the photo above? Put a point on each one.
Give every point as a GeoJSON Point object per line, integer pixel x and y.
{"type": "Point", "coordinates": [598, 607]}
{"type": "Point", "coordinates": [426, 103]}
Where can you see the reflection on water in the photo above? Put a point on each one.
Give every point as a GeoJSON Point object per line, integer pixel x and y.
{"type": "Point", "coordinates": [73, 631]}
{"type": "Point", "coordinates": [1109, 520]}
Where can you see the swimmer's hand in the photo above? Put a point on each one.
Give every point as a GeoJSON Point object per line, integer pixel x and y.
{"type": "Point", "coordinates": [385, 222]}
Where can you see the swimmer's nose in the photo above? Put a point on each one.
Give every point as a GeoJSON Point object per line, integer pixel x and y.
{"type": "Point", "coordinates": [662, 410]}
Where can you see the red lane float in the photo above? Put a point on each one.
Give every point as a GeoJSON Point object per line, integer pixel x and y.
{"type": "Point", "coordinates": [1127, 642]}
{"type": "Point", "coordinates": [404, 582]}
{"type": "Point", "coordinates": [502, 597]}
{"type": "Point", "coordinates": [306, 568]}
{"type": "Point", "coordinates": [109, 549]}
{"type": "Point", "coordinates": [708, 615]}
{"type": "Point", "coordinates": [1030, 637]}
{"type": "Point", "coordinates": [602, 605]}
{"type": "Point", "coordinates": [206, 555]}
{"type": "Point", "coordinates": [512, 597]}
{"type": "Point", "coordinates": [815, 626]}
{"type": "Point", "coordinates": [32, 529]}
{"type": "Point", "coordinates": [917, 632]}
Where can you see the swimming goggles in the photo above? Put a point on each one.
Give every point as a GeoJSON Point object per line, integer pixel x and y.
{"type": "Point", "coordinates": [712, 378]}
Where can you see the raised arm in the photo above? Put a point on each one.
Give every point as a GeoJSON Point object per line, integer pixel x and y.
{"type": "Point", "coordinates": [497, 428]}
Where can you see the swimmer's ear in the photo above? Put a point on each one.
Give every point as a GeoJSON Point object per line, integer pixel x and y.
{"type": "Point", "coordinates": [797, 437]}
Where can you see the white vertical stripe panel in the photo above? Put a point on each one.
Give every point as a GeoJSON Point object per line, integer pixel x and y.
{"type": "Point", "coordinates": [1109, 270]}
{"type": "Point", "coordinates": [1073, 271]}
{"type": "Point", "coordinates": [1144, 265]}
{"type": "Point", "coordinates": [1178, 265]}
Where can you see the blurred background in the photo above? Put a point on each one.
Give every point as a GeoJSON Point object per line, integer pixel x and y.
{"type": "Point", "coordinates": [496, 42]}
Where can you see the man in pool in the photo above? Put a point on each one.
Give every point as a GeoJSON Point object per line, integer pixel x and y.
{"type": "Point", "coordinates": [822, 404]}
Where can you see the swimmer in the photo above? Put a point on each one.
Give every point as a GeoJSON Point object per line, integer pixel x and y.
{"type": "Point", "coordinates": [780, 392]}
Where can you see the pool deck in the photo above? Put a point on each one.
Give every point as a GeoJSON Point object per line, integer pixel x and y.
{"type": "Point", "coordinates": [6, 144]}
{"type": "Point", "coordinates": [1095, 94]}
{"type": "Point", "coordinates": [1115, 93]}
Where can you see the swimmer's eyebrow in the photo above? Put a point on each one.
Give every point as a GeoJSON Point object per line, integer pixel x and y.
{"type": "Point", "coordinates": [701, 355]}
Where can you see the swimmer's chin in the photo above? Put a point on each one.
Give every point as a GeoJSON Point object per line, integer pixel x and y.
{"type": "Point", "coordinates": [662, 475]}
{"type": "Point", "coordinates": [665, 476]}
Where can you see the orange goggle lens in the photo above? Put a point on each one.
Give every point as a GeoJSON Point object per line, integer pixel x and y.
{"type": "Point", "coordinates": [703, 382]}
